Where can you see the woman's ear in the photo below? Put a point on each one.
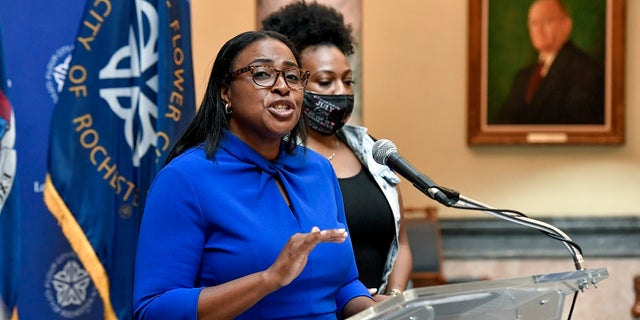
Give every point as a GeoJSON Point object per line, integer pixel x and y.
{"type": "Point", "coordinates": [224, 94]}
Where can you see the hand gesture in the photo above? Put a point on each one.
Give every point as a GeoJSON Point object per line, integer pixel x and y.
{"type": "Point", "coordinates": [293, 257]}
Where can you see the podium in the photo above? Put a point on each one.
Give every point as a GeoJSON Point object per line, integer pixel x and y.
{"type": "Point", "coordinates": [531, 297]}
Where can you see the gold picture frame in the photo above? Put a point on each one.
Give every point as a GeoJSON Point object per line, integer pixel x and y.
{"type": "Point", "coordinates": [484, 91]}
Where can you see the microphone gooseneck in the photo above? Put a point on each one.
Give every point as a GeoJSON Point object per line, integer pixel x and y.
{"type": "Point", "coordinates": [386, 153]}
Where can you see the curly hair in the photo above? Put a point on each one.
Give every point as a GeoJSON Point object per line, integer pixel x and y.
{"type": "Point", "coordinates": [309, 24]}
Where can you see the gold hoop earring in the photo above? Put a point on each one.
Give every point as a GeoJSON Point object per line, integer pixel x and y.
{"type": "Point", "coordinates": [227, 108]}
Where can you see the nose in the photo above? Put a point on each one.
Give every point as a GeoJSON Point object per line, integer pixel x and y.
{"type": "Point", "coordinates": [342, 88]}
{"type": "Point", "coordinates": [281, 83]}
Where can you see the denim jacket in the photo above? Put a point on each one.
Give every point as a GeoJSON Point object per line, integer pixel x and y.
{"type": "Point", "coordinates": [361, 144]}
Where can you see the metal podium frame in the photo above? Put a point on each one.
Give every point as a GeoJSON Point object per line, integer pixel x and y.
{"type": "Point", "coordinates": [531, 297]}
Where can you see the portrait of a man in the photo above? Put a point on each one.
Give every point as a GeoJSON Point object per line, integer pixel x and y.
{"type": "Point", "coordinates": [562, 84]}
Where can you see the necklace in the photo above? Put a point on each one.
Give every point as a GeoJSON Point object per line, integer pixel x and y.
{"type": "Point", "coordinates": [333, 154]}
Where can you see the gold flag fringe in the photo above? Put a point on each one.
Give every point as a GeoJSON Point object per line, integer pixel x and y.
{"type": "Point", "coordinates": [80, 244]}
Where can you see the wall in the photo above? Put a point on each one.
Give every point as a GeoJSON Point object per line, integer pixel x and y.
{"type": "Point", "coordinates": [213, 23]}
{"type": "Point", "coordinates": [414, 62]}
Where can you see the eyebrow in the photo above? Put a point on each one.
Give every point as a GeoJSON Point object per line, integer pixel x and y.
{"type": "Point", "coordinates": [270, 61]}
{"type": "Point", "coordinates": [332, 72]}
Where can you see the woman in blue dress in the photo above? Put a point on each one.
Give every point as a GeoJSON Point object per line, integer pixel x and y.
{"type": "Point", "coordinates": [242, 222]}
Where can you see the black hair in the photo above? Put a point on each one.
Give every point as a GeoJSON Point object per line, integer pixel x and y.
{"type": "Point", "coordinates": [211, 122]}
{"type": "Point", "coordinates": [309, 24]}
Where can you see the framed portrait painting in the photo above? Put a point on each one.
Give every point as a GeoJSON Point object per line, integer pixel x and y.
{"type": "Point", "coordinates": [546, 72]}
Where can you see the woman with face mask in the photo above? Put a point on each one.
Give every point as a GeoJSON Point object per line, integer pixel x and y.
{"type": "Point", "coordinates": [371, 199]}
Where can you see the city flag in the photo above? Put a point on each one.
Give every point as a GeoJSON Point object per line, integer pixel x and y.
{"type": "Point", "coordinates": [127, 96]}
{"type": "Point", "coordinates": [9, 213]}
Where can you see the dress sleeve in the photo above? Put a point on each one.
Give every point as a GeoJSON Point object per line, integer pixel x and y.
{"type": "Point", "coordinates": [170, 246]}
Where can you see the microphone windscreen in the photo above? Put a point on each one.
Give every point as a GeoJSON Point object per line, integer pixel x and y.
{"type": "Point", "coordinates": [382, 149]}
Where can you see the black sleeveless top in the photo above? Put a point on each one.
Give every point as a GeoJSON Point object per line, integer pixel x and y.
{"type": "Point", "coordinates": [371, 225]}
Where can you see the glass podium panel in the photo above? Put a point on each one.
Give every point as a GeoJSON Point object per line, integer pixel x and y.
{"type": "Point", "coordinates": [531, 297]}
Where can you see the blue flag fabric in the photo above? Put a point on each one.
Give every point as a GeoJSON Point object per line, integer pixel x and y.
{"type": "Point", "coordinates": [9, 211]}
{"type": "Point", "coordinates": [127, 96]}
{"type": "Point", "coordinates": [37, 39]}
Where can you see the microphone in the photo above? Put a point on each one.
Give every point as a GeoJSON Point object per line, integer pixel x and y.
{"type": "Point", "coordinates": [386, 153]}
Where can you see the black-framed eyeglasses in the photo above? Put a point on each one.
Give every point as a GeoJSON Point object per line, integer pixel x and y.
{"type": "Point", "coordinates": [266, 76]}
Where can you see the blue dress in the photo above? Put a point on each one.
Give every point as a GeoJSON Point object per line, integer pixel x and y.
{"type": "Point", "coordinates": [208, 222]}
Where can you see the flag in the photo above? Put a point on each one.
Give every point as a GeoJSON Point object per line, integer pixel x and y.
{"type": "Point", "coordinates": [9, 212]}
{"type": "Point", "coordinates": [37, 38]}
{"type": "Point", "coordinates": [127, 96]}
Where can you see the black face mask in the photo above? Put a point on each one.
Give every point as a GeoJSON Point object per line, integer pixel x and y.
{"type": "Point", "coordinates": [327, 113]}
